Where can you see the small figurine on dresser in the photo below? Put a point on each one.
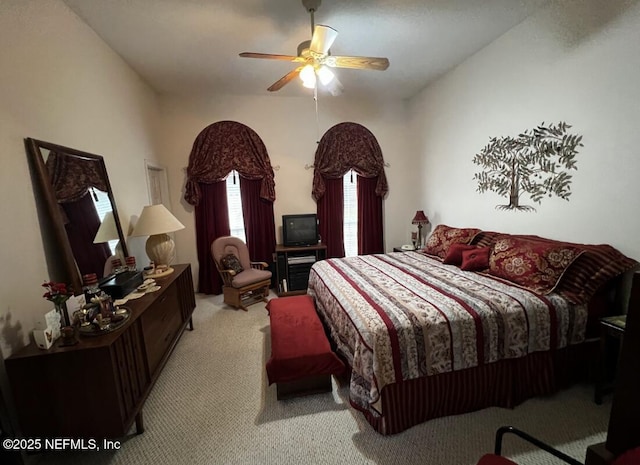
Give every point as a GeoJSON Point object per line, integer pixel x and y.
{"type": "Point", "coordinates": [100, 315]}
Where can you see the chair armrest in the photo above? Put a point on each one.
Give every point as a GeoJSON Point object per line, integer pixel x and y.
{"type": "Point", "coordinates": [227, 276]}
{"type": "Point", "coordinates": [259, 265]}
{"type": "Point", "coordinates": [536, 442]}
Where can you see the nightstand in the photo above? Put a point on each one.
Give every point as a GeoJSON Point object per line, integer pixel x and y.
{"type": "Point", "coordinates": [400, 249]}
{"type": "Point", "coordinates": [610, 327]}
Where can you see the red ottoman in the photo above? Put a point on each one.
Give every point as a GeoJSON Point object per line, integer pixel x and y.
{"type": "Point", "coordinates": [302, 361]}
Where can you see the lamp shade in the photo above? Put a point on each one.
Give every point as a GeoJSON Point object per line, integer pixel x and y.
{"type": "Point", "coordinates": [107, 230]}
{"type": "Point", "coordinates": [156, 219]}
{"type": "Point", "coordinates": [420, 218]}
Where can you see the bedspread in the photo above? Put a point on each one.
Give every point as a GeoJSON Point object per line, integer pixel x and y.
{"type": "Point", "coordinates": [401, 316]}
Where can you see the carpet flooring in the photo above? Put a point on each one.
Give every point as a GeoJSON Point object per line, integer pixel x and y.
{"type": "Point", "coordinates": [212, 405]}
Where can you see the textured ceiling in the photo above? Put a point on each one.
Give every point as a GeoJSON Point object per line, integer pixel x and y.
{"type": "Point", "coordinates": [190, 47]}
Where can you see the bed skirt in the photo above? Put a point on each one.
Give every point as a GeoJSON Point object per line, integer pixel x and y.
{"type": "Point", "coordinates": [506, 383]}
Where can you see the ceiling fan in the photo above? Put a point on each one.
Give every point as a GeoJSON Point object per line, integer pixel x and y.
{"type": "Point", "coordinates": [315, 59]}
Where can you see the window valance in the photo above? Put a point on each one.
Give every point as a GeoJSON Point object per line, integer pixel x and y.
{"type": "Point", "coordinates": [344, 147]}
{"type": "Point", "coordinates": [72, 177]}
{"type": "Point", "coordinates": [225, 146]}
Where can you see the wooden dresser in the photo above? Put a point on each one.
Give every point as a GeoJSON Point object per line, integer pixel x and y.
{"type": "Point", "coordinates": [97, 388]}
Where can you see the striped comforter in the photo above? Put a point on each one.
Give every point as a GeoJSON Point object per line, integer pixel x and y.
{"type": "Point", "coordinates": [401, 316]}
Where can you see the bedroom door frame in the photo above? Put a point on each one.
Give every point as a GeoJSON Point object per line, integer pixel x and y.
{"type": "Point", "coordinates": [157, 183]}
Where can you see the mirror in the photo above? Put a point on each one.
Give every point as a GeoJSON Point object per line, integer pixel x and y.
{"type": "Point", "coordinates": [77, 197]}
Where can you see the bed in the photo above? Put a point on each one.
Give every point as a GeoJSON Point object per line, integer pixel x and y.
{"type": "Point", "coordinates": [427, 335]}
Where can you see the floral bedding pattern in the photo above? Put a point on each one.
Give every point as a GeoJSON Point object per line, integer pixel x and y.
{"type": "Point", "coordinates": [536, 265]}
{"type": "Point", "coordinates": [401, 316]}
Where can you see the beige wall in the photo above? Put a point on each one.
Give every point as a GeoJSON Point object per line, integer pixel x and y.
{"type": "Point", "coordinates": [59, 83]}
{"type": "Point", "coordinates": [288, 128]}
{"type": "Point", "coordinates": [573, 61]}
{"type": "Point", "coordinates": [576, 61]}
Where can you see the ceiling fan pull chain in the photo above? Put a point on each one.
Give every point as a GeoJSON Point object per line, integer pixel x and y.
{"type": "Point", "coordinates": [315, 98]}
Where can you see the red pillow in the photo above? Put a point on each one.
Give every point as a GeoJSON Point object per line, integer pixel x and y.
{"type": "Point", "coordinates": [475, 260]}
{"type": "Point", "coordinates": [443, 236]}
{"type": "Point", "coordinates": [454, 254]}
{"type": "Point", "coordinates": [534, 264]}
{"type": "Point", "coordinates": [631, 457]}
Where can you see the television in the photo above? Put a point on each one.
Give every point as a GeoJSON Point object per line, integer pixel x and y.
{"type": "Point", "coordinates": [301, 229]}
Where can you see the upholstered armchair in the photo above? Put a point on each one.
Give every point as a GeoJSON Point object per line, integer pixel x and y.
{"type": "Point", "coordinates": [244, 282]}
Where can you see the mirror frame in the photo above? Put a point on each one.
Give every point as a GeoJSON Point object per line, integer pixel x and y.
{"type": "Point", "coordinates": [60, 238]}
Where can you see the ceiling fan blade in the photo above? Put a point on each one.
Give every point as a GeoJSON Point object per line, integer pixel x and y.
{"type": "Point", "coordinates": [271, 56]}
{"type": "Point", "coordinates": [376, 63]}
{"type": "Point", "coordinates": [287, 78]}
{"type": "Point", "coordinates": [322, 40]}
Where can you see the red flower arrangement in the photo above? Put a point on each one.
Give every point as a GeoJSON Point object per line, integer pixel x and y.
{"type": "Point", "coordinates": [58, 293]}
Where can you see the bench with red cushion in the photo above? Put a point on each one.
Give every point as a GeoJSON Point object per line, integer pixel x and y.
{"type": "Point", "coordinates": [302, 361]}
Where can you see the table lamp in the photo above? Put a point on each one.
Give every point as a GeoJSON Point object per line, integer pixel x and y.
{"type": "Point", "coordinates": [420, 219]}
{"type": "Point", "coordinates": [156, 221]}
{"type": "Point", "coordinates": [108, 232]}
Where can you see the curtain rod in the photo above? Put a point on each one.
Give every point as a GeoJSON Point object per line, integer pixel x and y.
{"type": "Point", "coordinates": [308, 167]}
{"type": "Point", "coordinates": [275, 168]}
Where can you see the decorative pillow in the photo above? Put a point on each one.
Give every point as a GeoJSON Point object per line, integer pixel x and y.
{"type": "Point", "coordinates": [476, 259]}
{"type": "Point", "coordinates": [593, 270]}
{"type": "Point", "coordinates": [536, 265]}
{"type": "Point", "coordinates": [587, 275]}
{"type": "Point", "coordinates": [443, 236]}
{"type": "Point", "coordinates": [454, 254]}
{"type": "Point", "coordinates": [231, 262]}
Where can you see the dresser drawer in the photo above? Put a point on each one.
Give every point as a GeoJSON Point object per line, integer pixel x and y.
{"type": "Point", "coordinates": [160, 324]}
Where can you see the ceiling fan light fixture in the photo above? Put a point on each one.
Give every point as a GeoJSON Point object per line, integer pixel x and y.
{"type": "Point", "coordinates": [308, 77]}
{"type": "Point", "coordinates": [314, 54]}
{"type": "Point", "coordinates": [325, 75]}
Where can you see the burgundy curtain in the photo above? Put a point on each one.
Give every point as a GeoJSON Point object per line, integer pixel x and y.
{"type": "Point", "coordinates": [212, 221]}
{"type": "Point", "coordinates": [259, 223]}
{"type": "Point", "coordinates": [331, 217]}
{"type": "Point", "coordinates": [220, 148]}
{"type": "Point", "coordinates": [225, 146]}
{"type": "Point", "coordinates": [344, 147]}
{"type": "Point", "coordinates": [72, 177]}
{"type": "Point", "coordinates": [370, 225]}
{"type": "Point", "coordinates": [82, 223]}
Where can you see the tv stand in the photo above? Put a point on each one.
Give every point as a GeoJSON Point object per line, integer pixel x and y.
{"type": "Point", "coordinates": [293, 265]}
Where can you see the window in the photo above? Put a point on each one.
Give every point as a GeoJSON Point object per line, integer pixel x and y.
{"type": "Point", "coordinates": [234, 203]}
{"type": "Point", "coordinates": [350, 226]}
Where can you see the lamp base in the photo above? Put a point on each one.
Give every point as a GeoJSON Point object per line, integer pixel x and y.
{"type": "Point", "coordinates": [161, 249]}
{"type": "Point", "coordinates": [159, 274]}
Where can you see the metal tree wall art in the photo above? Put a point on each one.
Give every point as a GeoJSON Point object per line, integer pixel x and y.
{"type": "Point", "coordinates": [535, 162]}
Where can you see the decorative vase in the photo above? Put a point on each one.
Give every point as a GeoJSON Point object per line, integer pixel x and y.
{"type": "Point", "coordinates": [61, 309]}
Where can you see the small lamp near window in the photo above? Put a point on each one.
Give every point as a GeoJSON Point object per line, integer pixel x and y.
{"type": "Point", "coordinates": [156, 221]}
{"type": "Point", "coordinates": [108, 232]}
{"type": "Point", "coordinates": [420, 219]}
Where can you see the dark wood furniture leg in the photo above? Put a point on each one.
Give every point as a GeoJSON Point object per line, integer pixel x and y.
{"type": "Point", "coordinates": [191, 324]}
{"type": "Point", "coordinates": [611, 328]}
{"type": "Point", "coordinates": [597, 454]}
{"type": "Point", "coordinates": [139, 423]}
